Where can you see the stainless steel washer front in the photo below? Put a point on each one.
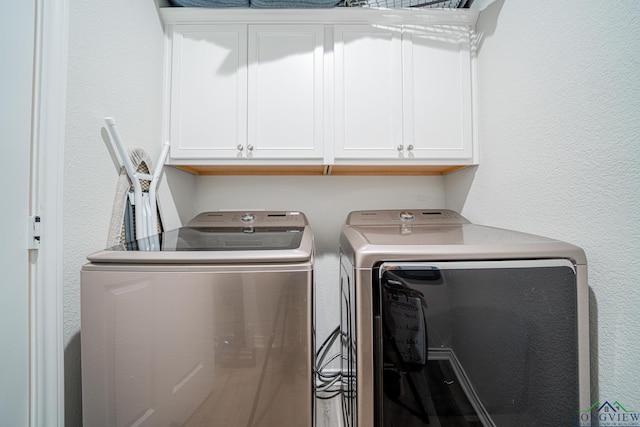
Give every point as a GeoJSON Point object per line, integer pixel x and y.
{"type": "Point", "coordinates": [211, 327]}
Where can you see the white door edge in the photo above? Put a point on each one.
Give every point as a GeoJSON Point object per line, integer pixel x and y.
{"type": "Point", "coordinates": [47, 172]}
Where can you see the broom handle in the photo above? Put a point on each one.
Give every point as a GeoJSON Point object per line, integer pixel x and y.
{"type": "Point", "coordinates": [133, 176]}
{"type": "Point", "coordinates": [153, 226]}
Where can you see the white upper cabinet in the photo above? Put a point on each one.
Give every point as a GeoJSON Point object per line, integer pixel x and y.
{"type": "Point", "coordinates": [402, 93]}
{"type": "Point", "coordinates": [368, 91]}
{"type": "Point", "coordinates": [343, 90]}
{"type": "Point", "coordinates": [437, 97]}
{"type": "Point", "coordinates": [285, 91]}
{"type": "Point", "coordinates": [242, 92]}
{"type": "Point", "coordinates": [208, 87]}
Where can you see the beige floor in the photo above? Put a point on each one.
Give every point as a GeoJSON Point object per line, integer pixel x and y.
{"type": "Point", "coordinates": [328, 413]}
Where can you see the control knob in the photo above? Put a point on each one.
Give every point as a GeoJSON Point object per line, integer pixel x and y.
{"type": "Point", "coordinates": [248, 217]}
{"type": "Point", "coordinates": [406, 215]}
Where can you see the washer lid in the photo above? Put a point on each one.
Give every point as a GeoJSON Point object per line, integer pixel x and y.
{"type": "Point", "coordinates": [224, 239]}
{"type": "Point", "coordinates": [219, 237]}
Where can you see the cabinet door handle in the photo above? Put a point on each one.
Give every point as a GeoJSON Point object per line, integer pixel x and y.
{"type": "Point", "coordinates": [240, 147]}
{"type": "Point", "coordinates": [250, 147]}
{"type": "Point", "coordinates": [400, 147]}
{"type": "Point", "coordinates": [410, 147]}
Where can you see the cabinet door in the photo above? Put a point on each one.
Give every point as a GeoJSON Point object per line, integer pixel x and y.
{"type": "Point", "coordinates": [285, 117]}
{"type": "Point", "coordinates": [437, 93]}
{"type": "Point", "coordinates": [208, 91]}
{"type": "Point", "coordinates": [368, 92]}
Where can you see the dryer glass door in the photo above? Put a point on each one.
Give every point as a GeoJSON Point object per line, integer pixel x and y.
{"type": "Point", "coordinates": [476, 344]}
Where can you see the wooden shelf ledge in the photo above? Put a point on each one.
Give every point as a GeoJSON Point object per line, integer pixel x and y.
{"type": "Point", "coordinates": [339, 170]}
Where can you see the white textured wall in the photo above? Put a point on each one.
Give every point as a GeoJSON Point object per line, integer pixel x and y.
{"type": "Point", "coordinates": [115, 69]}
{"type": "Point", "coordinates": [559, 125]}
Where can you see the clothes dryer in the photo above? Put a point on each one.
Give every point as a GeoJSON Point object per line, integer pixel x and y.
{"type": "Point", "coordinates": [445, 322]}
{"type": "Point", "coordinates": [208, 324]}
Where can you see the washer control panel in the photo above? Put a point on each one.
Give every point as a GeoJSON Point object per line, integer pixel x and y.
{"type": "Point", "coordinates": [406, 216]}
{"type": "Point", "coordinates": [248, 218]}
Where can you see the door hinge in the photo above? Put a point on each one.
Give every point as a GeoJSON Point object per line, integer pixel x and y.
{"type": "Point", "coordinates": [33, 232]}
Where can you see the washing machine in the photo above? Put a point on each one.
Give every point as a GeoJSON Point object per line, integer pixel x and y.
{"type": "Point", "coordinates": [445, 323]}
{"type": "Point", "coordinates": [206, 325]}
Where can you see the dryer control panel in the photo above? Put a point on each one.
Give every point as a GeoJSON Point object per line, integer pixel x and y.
{"type": "Point", "coordinates": [406, 216]}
